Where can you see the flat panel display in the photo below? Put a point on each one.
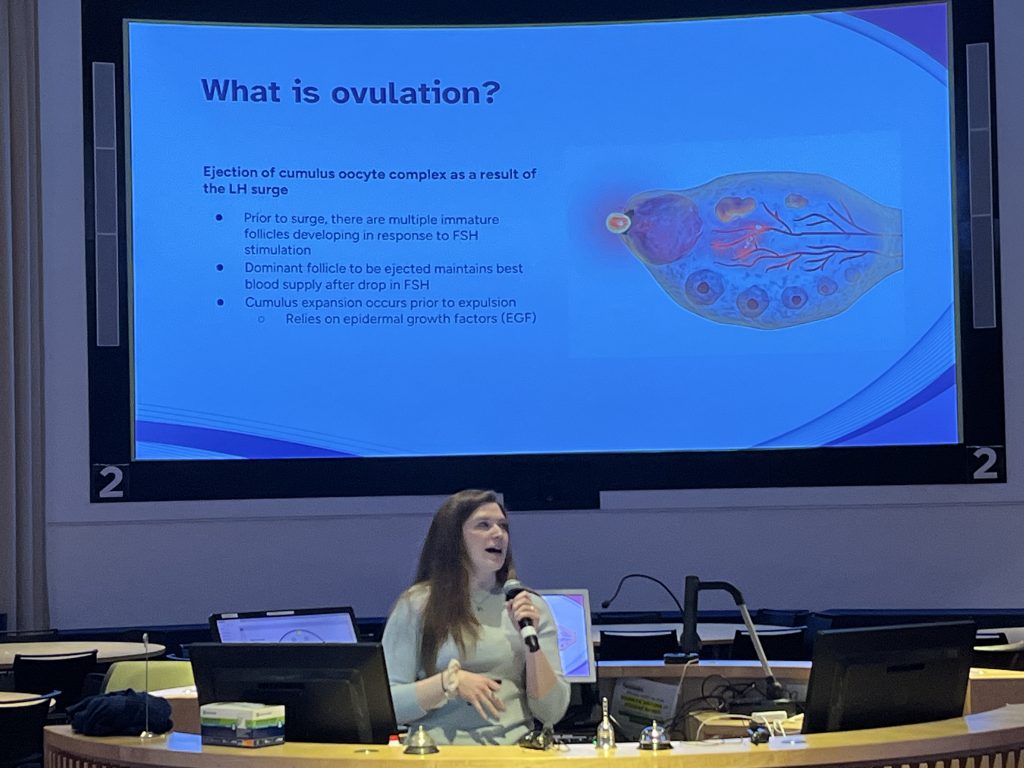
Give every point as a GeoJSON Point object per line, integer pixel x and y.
{"type": "Point", "coordinates": [331, 692]}
{"type": "Point", "coordinates": [411, 249]}
{"type": "Point", "coordinates": [883, 676]}
{"type": "Point", "coordinates": [571, 611]}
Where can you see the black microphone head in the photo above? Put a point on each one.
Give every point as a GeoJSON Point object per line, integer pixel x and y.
{"type": "Point", "coordinates": [605, 603]}
{"type": "Point", "coordinates": [512, 587]}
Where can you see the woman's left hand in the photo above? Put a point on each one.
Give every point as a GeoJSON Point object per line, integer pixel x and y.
{"type": "Point", "coordinates": [521, 607]}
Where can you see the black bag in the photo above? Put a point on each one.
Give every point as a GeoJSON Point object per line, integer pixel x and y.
{"type": "Point", "coordinates": [122, 713]}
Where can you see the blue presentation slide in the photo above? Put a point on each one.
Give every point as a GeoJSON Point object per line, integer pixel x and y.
{"type": "Point", "coordinates": [663, 236]}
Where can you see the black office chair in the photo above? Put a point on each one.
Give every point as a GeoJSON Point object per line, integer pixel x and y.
{"type": "Point", "coordinates": [778, 644]}
{"type": "Point", "coordinates": [1004, 656]}
{"type": "Point", "coordinates": [21, 731]}
{"type": "Point", "coordinates": [65, 672]}
{"type": "Point", "coordinates": [782, 617]}
{"type": "Point", "coordinates": [988, 637]}
{"type": "Point", "coordinates": [637, 646]}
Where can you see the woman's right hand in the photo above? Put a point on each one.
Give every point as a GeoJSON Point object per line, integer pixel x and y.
{"type": "Point", "coordinates": [481, 692]}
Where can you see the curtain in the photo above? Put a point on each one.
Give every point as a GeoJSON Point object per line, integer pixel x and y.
{"type": "Point", "coordinates": [23, 594]}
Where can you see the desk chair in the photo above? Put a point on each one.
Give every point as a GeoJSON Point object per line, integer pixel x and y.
{"type": "Point", "coordinates": [636, 646]}
{"type": "Point", "coordinates": [779, 645]}
{"type": "Point", "coordinates": [162, 674]}
{"type": "Point", "coordinates": [782, 617]}
{"type": "Point", "coordinates": [987, 637]}
{"type": "Point", "coordinates": [21, 731]}
{"type": "Point", "coordinates": [1004, 656]}
{"type": "Point", "coordinates": [64, 671]}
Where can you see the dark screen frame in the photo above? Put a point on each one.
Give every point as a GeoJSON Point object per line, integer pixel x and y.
{"type": "Point", "coordinates": [542, 480]}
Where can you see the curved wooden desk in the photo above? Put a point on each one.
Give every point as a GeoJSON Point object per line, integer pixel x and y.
{"type": "Point", "coordinates": [105, 651]}
{"type": "Point", "coordinates": [992, 738]}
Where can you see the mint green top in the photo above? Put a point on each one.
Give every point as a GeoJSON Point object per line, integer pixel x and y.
{"type": "Point", "coordinates": [499, 653]}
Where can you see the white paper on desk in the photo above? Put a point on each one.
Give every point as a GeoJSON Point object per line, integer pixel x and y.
{"type": "Point", "coordinates": [636, 702]}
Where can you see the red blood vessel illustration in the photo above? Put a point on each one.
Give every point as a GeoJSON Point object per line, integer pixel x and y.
{"type": "Point", "coordinates": [763, 249]}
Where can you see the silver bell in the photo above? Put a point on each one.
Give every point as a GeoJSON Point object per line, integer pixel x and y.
{"type": "Point", "coordinates": [654, 737]}
{"type": "Point", "coordinates": [420, 743]}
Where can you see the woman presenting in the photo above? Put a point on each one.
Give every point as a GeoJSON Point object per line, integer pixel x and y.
{"type": "Point", "coordinates": [456, 660]}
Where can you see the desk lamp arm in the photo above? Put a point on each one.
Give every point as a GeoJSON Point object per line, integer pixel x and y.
{"type": "Point", "coordinates": [691, 641]}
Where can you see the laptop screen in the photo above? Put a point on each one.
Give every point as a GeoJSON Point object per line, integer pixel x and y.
{"type": "Point", "coordinates": [571, 610]}
{"type": "Point", "coordinates": [302, 625]}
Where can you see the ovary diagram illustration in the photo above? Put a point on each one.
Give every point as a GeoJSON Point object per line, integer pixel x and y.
{"type": "Point", "coordinates": [763, 249]}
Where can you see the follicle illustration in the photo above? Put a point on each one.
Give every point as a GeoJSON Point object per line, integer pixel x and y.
{"type": "Point", "coordinates": [764, 249]}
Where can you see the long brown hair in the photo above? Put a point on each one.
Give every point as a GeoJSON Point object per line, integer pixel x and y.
{"type": "Point", "coordinates": [444, 568]}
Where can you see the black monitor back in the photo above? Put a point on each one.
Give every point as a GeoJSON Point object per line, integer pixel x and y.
{"type": "Point", "coordinates": [332, 692]}
{"type": "Point", "coordinates": [882, 676]}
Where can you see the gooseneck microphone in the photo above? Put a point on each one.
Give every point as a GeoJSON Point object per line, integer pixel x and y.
{"type": "Point", "coordinates": [628, 576]}
{"type": "Point", "coordinates": [526, 629]}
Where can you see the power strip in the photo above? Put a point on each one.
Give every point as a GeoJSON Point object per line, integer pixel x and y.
{"type": "Point", "coordinates": [772, 719]}
{"type": "Point", "coordinates": [769, 716]}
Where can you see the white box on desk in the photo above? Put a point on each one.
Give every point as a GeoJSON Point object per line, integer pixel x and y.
{"type": "Point", "coordinates": [241, 724]}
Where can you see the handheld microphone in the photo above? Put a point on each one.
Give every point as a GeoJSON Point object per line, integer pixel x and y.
{"type": "Point", "coordinates": [526, 629]}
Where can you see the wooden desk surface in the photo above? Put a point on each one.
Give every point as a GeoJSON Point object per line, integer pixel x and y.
{"type": "Point", "coordinates": [795, 671]}
{"type": "Point", "coordinates": [105, 651]}
{"type": "Point", "coordinates": [996, 737]}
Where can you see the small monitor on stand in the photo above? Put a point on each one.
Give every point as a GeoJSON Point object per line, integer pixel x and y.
{"type": "Point", "coordinates": [571, 611]}
{"type": "Point", "coordinates": [882, 676]}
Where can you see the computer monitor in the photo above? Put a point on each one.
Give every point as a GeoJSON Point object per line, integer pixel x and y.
{"type": "Point", "coordinates": [571, 611]}
{"type": "Point", "coordinates": [331, 692]}
{"type": "Point", "coordinates": [301, 625]}
{"type": "Point", "coordinates": [881, 676]}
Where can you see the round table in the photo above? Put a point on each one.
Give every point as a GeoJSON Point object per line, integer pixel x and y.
{"type": "Point", "coordinates": [106, 651]}
{"type": "Point", "coordinates": [17, 698]}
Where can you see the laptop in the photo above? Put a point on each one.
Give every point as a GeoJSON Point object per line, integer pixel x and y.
{"type": "Point", "coordinates": [297, 625]}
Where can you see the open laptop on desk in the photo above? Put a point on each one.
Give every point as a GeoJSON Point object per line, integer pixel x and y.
{"type": "Point", "coordinates": [298, 625]}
